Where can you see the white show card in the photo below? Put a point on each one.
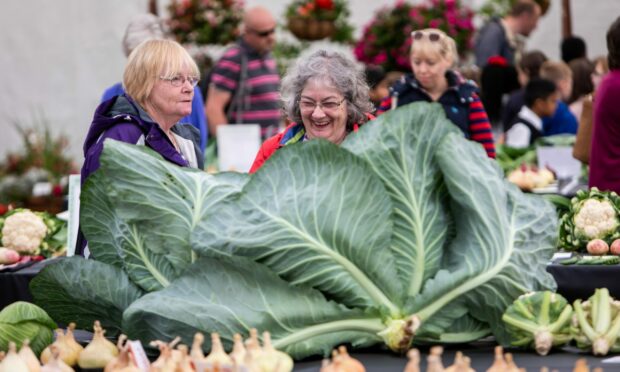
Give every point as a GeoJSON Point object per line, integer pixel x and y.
{"type": "Point", "coordinates": [237, 145]}
{"type": "Point", "coordinates": [560, 160]}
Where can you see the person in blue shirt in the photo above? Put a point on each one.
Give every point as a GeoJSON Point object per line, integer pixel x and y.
{"type": "Point", "coordinates": [563, 121]}
{"type": "Point", "coordinates": [145, 27]}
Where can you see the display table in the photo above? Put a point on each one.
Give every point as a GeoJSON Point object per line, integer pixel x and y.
{"type": "Point", "coordinates": [580, 281]}
{"type": "Point", "coordinates": [481, 354]}
{"type": "Point", "coordinates": [573, 282]}
{"type": "Point", "coordinates": [14, 285]}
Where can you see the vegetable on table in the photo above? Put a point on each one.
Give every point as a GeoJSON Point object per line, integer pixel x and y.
{"type": "Point", "coordinates": [406, 233]}
{"type": "Point", "coordinates": [595, 323]}
{"type": "Point", "coordinates": [8, 256]}
{"type": "Point", "coordinates": [591, 260]}
{"type": "Point", "coordinates": [597, 247]}
{"type": "Point", "coordinates": [99, 352]}
{"type": "Point", "coordinates": [23, 232]}
{"type": "Point", "coordinates": [539, 320]}
{"type": "Point", "coordinates": [21, 321]}
{"type": "Point", "coordinates": [594, 214]}
{"type": "Point", "coordinates": [33, 233]}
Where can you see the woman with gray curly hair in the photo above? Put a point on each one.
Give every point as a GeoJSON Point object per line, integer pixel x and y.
{"type": "Point", "coordinates": [325, 96]}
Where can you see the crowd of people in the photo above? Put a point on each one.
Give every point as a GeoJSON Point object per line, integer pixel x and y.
{"type": "Point", "coordinates": [517, 97]}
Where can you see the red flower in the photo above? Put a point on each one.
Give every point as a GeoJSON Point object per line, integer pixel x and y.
{"type": "Point", "coordinates": [497, 61]}
{"type": "Point", "coordinates": [57, 190]}
{"type": "Point", "coordinates": [325, 4]}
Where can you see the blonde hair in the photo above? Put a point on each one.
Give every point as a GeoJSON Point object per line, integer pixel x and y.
{"type": "Point", "coordinates": [151, 60]}
{"type": "Point", "coordinates": [555, 71]}
{"type": "Point", "coordinates": [444, 47]}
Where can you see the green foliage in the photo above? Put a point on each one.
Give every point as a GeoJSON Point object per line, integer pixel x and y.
{"type": "Point", "coordinates": [22, 320]}
{"type": "Point", "coordinates": [405, 233]}
{"type": "Point", "coordinates": [499, 8]}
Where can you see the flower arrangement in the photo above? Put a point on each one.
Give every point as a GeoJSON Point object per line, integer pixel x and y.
{"type": "Point", "coordinates": [205, 21]}
{"type": "Point", "coordinates": [386, 39]}
{"type": "Point", "coordinates": [42, 158]}
{"type": "Point", "coordinates": [333, 13]}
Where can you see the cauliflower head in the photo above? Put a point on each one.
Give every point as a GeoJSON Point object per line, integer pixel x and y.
{"type": "Point", "coordinates": [593, 214]}
{"type": "Point", "coordinates": [23, 232]}
{"type": "Point", "coordinates": [595, 219]}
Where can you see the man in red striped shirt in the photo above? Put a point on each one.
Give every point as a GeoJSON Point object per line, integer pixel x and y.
{"type": "Point", "coordinates": [432, 55]}
{"type": "Point", "coordinates": [245, 81]}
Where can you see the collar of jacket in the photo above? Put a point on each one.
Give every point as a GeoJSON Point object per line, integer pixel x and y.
{"type": "Point", "coordinates": [296, 132]}
{"type": "Point", "coordinates": [123, 109]}
{"type": "Point", "coordinates": [464, 89]}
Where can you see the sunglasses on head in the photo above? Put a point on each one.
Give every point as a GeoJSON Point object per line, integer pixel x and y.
{"type": "Point", "coordinates": [432, 36]}
{"type": "Point", "coordinates": [264, 33]}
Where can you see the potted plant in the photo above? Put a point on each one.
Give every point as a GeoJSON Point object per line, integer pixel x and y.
{"type": "Point", "coordinates": [319, 19]}
{"type": "Point", "coordinates": [205, 21]}
{"type": "Point", "coordinates": [386, 39]}
{"type": "Point", "coordinates": [41, 159]}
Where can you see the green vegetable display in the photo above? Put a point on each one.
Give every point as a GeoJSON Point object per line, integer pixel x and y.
{"type": "Point", "coordinates": [405, 233]}
{"type": "Point", "coordinates": [539, 320]}
{"type": "Point", "coordinates": [596, 323]}
{"type": "Point", "coordinates": [22, 320]}
{"type": "Point", "coordinates": [593, 214]}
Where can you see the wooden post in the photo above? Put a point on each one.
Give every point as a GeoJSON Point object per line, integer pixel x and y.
{"type": "Point", "coordinates": [567, 25]}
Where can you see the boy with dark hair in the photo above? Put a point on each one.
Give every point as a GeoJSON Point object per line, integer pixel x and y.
{"type": "Point", "coordinates": [541, 98]}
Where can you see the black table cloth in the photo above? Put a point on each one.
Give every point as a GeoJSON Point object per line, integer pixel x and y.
{"type": "Point", "coordinates": [580, 281]}
{"type": "Point", "coordinates": [14, 285]}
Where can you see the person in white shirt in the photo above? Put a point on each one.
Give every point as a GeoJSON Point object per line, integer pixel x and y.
{"type": "Point", "coordinates": [541, 96]}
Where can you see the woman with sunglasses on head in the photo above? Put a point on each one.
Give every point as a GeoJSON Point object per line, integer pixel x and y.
{"type": "Point", "coordinates": [326, 96]}
{"type": "Point", "coordinates": [432, 56]}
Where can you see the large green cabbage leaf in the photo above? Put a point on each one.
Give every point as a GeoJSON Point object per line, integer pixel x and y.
{"type": "Point", "coordinates": [81, 291]}
{"type": "Point", "coordinates": [317, 228]}
{"type": "Point", "coordinates": [405, 230]}
{"type": "Point", "coordinates": [134, 224]}
{"type": "Point", "coordinates": [232, 295]}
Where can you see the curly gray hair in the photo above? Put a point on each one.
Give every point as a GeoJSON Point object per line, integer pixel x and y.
{"type": "Point", "coordinates": [336, 69]}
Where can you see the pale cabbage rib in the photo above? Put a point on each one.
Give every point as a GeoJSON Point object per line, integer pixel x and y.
{"type": "Point", "coordinates": [140, 254]}
{"type": "Point", "coordinates": [364, 282]}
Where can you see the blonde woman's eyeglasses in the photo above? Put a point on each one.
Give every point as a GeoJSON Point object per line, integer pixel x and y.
{"type": "Point", "coordinates": [177, 81]}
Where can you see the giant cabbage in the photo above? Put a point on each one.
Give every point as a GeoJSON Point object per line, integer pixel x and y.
{"type": "Point", "coordinates": [405, 233]}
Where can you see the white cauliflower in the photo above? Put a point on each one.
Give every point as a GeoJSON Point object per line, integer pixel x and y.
{"type": "Point", "coordinates": [23, 232]}
{"type": "Point", "coordinates": [596, 218]}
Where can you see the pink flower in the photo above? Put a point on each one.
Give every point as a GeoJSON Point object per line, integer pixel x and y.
{"type": "Point", "coordinates": [380, 58]}
{"type": "Point", "coordinates": [435, 23]}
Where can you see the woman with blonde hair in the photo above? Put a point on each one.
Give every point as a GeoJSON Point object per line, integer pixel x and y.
{"type": "Point", "coordinates": [433, 55]}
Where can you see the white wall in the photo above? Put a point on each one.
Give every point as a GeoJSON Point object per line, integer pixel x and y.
{"type": "Point", "coordinates": [59, 55]}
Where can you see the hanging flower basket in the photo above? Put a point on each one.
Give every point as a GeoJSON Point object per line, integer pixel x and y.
{"type": "Point", "coordinates": [319, 19]}
{"type": "Point", "coordinates": [311, 29]}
